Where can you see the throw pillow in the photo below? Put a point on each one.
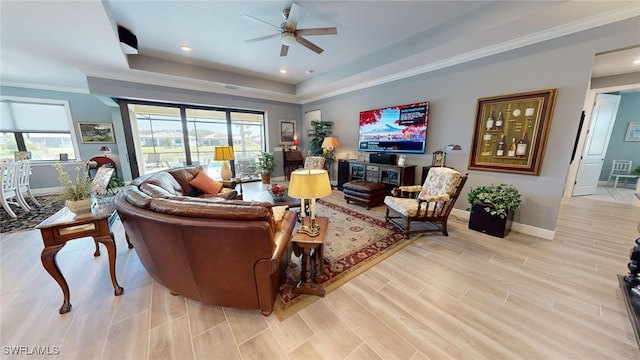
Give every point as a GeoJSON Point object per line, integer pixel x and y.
{"type": "Point", "coordinates": [206, 184]}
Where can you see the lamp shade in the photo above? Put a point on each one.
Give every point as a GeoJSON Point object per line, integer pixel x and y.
{"type": "Point", "coordinates": [453, 147]}
{"type": "Point", "coordinates": [223, 153]}
{"type": "Point", "coordinates": [105, 149]}
{"type": "Point", "coordinates": [309, 184]}
{"type": "Point", "coordinates": [330, 142]}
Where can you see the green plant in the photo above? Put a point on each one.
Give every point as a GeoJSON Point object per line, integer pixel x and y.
{"type": "Point", "coordinates": [636, 171]}
{"type": "Point", "coordinates": [74, 188]}
{"type": "Point", "coordinates": [501, 198]}
{"type": "Point", "coordinates": [319, 130]}
{"type": "Point", "coordinates": [116, 182]}
{"type": "Point", "coordinates": [265, 163]}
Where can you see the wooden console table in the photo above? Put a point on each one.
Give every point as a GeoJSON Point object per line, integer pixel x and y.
{"type": "Point", "coordinates": [65, 226]}
{"type": "Point", "coordinates": [312, 250]}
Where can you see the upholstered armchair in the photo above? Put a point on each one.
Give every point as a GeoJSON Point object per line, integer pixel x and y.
{"type": "Point", "coordinates": [315, 162]}
{"type": "Point", "coordinates": [429, 204]}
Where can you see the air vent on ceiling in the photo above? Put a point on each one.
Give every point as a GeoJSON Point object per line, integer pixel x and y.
{"type": "Point", "coordinates": [128, 41]}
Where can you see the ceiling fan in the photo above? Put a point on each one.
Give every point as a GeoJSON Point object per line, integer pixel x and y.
{"type": "Point", "coordinates": [289, 34]}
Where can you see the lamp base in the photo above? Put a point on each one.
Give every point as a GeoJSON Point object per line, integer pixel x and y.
{"type": "Point", "coordinates": [311, 230]}
{"type": "Point", "coordinates": [225, 172]}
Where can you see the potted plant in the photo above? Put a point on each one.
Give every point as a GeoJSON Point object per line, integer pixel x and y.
{"type": "Point", "coordinates": [264, 166]}
{"type": "Point", "coordinates": [319, 130]}
{"type": "Point", "coordinates": [76, 189]}
{"type": "Point", "coordinates": [492, 208]}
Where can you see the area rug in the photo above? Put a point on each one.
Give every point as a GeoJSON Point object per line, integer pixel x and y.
{"type": "Point", "coordinates": [29, 220]}
{"type": "Point", "coordinates": [355, 243]}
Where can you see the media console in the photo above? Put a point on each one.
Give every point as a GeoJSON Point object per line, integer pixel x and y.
{"type": "Point", "coordinates": [389, 175]}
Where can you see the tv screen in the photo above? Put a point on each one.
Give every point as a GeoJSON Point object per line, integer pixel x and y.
{"type": "Point", "coordinates": [401, 129]}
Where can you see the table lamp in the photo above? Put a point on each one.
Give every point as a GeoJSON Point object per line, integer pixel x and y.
{"type": "Point", "coordinates": [309, 184]}
{"type": "Point", "coordinates": [224, 154]}
{"type": "Point", "coordinates": [105, 150]}
{"type": "Point", "coordinates": [450, 147]}
{"type": "Point", "coordinates": [329, 144]}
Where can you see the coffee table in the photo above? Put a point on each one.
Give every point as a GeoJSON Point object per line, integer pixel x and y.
{"type": "Point", "coordinates": [265, 196]}
{"type": "Point", "coordinates": [64, 226]}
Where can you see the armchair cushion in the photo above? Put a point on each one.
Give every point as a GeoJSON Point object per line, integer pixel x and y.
{"type": "Point", "coordinates": [208, 185]}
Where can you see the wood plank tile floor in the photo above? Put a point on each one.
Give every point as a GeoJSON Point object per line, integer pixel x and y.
{"type": "Point", "coordinates": [466, 296]}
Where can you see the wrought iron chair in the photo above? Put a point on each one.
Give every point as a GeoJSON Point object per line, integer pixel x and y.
{"type": "Point", "coordinates": [430, 203]}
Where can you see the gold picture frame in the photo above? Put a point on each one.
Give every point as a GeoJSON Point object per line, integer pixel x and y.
{"type": "Point", "coordinates": [510, 132]}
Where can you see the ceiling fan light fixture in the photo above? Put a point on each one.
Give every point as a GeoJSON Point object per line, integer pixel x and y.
{"type": "Point", "coordinates": [288, 39]}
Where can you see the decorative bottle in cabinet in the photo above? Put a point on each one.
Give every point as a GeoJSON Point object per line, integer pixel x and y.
{"type": "Point", "coordinates": [500, 150]}
{"type": "Point", "coordinates": [512, 148]}
{"type": "Point", "coordinates": [521, 148]}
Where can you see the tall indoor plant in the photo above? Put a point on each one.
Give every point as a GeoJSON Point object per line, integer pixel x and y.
{"type": "Point", "coordinates": [319, 130]}
{"type": "Point", "coordinates": [76, 188]}
{"type": "Point", "coordinates": [492, 208]}
{"type": "Point", "coordinates": [265, 164]}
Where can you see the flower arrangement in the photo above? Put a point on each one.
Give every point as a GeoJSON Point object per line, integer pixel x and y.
{"type": "Point", "coordinates": [499, 198]}
{"type": "Point", "coordinates": [277, 191]}
{"type": "Point", "coordinates": [76, 187]}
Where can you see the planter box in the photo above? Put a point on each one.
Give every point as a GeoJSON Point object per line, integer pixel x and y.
{"type": "Point", "coordinates": [494, 225]}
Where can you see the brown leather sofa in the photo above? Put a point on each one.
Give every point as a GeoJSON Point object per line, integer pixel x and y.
{"type": "Point", "coordinates": [222, 252]}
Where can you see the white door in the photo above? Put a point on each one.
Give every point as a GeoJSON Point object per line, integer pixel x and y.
{"type": "Point", "coordinates": [600, 126]}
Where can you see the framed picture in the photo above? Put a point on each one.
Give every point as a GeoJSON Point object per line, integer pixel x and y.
{"type": "Point", "coordinates": [633, 131]}
{"type": "Point", "coordinates": [95, 133]}
{"type": "Point", "coordinates": [287, 131]}
{"type": "Point", "coordinates": [21, 155]}
{"type": "Point", "coordinates": [510, 132]}
{"type": "Point", "coordinates": [437, 158]}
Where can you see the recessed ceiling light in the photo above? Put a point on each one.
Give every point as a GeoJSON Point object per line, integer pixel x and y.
{"type": "Point", "coordinates": [185, 48]}
{"type": "Point", "coordinates": [637, 62]}
{"type": "Point", "coordinates": [283, 71]}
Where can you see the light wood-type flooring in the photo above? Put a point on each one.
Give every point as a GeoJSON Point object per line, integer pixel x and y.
{"type": "Point", "coordinates": [465, 296]}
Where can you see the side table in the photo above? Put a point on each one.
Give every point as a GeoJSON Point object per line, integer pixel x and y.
{"type": "Point", "coordinates": [312, 250]}
{"type": "Point", "coordinates": [64, 226]}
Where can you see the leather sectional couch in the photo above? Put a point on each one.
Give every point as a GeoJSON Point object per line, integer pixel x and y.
{"type": "Point", "coordinates": [215, 250]}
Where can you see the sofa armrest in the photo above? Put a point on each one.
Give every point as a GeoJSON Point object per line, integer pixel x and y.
{"type": "Point", "coordinates": [282, 239]}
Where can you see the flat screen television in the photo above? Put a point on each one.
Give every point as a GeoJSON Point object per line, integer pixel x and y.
{"type": "Point", "coordinates": [401, 129]}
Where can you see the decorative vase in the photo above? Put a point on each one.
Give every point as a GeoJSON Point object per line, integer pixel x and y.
{"type": "Point", "coordinates": [79, 206]}
{"type": "Point", "coordinates": [266, 179]}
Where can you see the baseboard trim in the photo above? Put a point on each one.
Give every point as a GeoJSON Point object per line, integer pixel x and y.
{"type": "Point", "coordinates": [521, 228]}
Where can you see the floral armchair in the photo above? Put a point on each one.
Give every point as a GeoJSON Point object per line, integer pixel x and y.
{"type": "Point", "coordinates": [314, 162]}
{"type": "Point", "coordinates": [430, 203]}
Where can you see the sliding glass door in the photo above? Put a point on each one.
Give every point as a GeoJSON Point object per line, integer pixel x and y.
{"type": "Point", "coordinates": [164, 136]}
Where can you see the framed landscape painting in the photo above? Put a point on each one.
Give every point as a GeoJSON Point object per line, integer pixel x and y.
{"type": "Point", "coordinates": [92, 132]}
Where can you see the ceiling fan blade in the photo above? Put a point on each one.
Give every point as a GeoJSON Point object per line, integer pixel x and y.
{"type": "Point", "coordinates": [284, 50]}
{"type": "Point", "coordinates": [317, 31]}
{"type": "Point", "coordinates": [294, 14]}
{"type": "Point", "coordinates": [254, 19]}
{"type": "Point", "coordinates": [263, 38]}
{"type": "Point", "coordinates": [309, 45]}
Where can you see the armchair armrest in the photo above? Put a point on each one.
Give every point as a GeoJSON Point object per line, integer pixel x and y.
{"type": "Point", "coordinates": [406, 191]}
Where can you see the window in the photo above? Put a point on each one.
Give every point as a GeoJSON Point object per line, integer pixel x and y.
{"type": "Point", "coordinates": [173, 135]}
{"type": "Point", "coordinates": [42, 127]}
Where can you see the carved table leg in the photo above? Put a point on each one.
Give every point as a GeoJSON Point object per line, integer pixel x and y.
{"type": "Point", "coordinates": [97, 252]}
{"type": "Point", "coordinates": [128, 242]}
{"type": "Point", "coordinates": [48, 258]}
{"type": "Point", "coordinates": [110, 244]}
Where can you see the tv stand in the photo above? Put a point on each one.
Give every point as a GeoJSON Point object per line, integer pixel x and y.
{"type": "Point", "coordinates": [389, 175]}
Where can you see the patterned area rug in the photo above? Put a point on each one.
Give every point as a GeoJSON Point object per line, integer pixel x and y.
{"type": "Point", "coordinates": [29, 220]}
{"type": "Point", "coordinates": [355, 243]}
